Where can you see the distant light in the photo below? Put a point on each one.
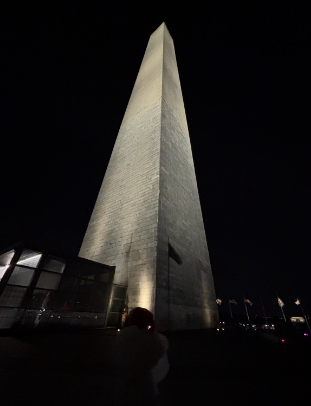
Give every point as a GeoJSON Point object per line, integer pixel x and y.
{"type": "Point", "coordinates": [218, 329]}
{"type": "Point", "coordinates": [222, 328]}
{"type": "Point", "coordinates": [306, 334]}
{"type": "Point", "coordinates": [149, 327]}
{"type": "Point", "coordinates": [283, 341]}
{"type": "Point", "coordinates": [118, 329]}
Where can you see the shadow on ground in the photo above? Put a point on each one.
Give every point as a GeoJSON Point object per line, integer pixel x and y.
{"type": "Point", "coordinates": [230, 367]}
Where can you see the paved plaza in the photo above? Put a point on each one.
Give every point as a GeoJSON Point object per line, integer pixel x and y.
{"type": "Point", "coordinates": [230, 367]}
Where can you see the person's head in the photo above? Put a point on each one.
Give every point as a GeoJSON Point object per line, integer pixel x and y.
{"type": "Point", "coordinates": [142, 318]}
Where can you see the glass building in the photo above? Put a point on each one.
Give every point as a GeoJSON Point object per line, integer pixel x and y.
{"type": "Point", "coordinates": [38, 290]}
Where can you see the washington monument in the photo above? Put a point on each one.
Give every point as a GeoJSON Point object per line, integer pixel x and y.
{"type": "Point", "coordinates": [147, 220]}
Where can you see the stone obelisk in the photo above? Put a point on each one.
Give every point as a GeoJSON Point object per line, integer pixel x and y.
{"type": "Point", "coordinates": [149, 201]}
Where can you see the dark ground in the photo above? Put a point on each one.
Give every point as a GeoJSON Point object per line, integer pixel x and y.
{"type": "Point", "coordinates": [230, 367]}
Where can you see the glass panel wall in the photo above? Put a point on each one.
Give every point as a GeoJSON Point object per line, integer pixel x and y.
{"type": "Point", "coordinates": [5, 260]}
{"type": "Point", "coordinates": [69, 283]}
{"type": "Point", "coordinates": [12, 296]}
{"type": "Point", "coordinates": [100, 296]}
{"type": "Point", "coordinates": [117, 302]}
{"type": "Point", "coordinates": [104, 277]}
{"type": "Point", "coordinates": [47, 293]}
{"type": "Point", "coordinates": [3, 270]}
{"type": "Point", "coordinates": [42, 299]}
{"type": "Point", "coordinates": [54, 265]}
{"type": "Point", "coordinates": [29, 258]}
{"type": "Point", "coordinates": [9, 317]}
{"type": "Point", "coordinates": [48, 280]}
{"type": "Point", "coordinates": [21, 276]}
{"type": "Point", "coordinates": [65, 301]}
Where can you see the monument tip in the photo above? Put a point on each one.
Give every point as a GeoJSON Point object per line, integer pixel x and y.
{"type": "Point", "coordinates": [160, 26]}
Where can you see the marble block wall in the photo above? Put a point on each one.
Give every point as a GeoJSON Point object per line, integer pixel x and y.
{"type": "Point", "coordinates": [149, 198]}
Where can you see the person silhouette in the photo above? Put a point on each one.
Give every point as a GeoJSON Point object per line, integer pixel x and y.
{"type": "Point", "coordinates": [140, 360]}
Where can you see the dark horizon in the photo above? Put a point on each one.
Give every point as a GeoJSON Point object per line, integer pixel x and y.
{"type": "Point", "coordinates": [244, 71]}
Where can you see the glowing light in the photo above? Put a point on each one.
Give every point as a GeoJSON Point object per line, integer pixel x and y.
{"type": "Point", "coordinates": [8, 256]}
{"type": "Point", "coordinates": [149, 327]}
{"type": "Point", "coordinates": [146, 295]}
{"type": "Point", "coordinates": [222, 328]}
{"type": "Point", "coordinates": [283, 341]}
{"type": "Point", "coordinates": [218, 329]}
{"type": "Point", "coordinates": [22, 261]}
{"type": "Point", "coordinates": [306, 334]}
{"type": "Point", "coordinates": [118, 329]}
{"type": "Point", "coordinates": [3, 270]}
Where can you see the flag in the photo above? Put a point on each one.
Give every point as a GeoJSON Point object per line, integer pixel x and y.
{"type": "Point", "coordinates": [248, 301]}
{"type": "Point", "coordinates": [233, 301]}
{"type": "Point", "coordinates": [281, 304]}
{"type": "Point", "coordinates": [173, 254]}
{"type": "Point", "coordinates": [297, 302]}
{"type": "Point", "coordinates": [218, 301]}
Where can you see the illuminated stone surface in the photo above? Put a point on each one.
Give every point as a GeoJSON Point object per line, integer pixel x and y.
{"type": "Point", "coordinates": [149, 195]}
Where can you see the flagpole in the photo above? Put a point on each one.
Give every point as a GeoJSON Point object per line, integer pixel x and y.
{"type": "Point", "coordinates": [304, 315]}
{"type": "Point", "coordinates": [283, 314]}
{"type": "Point", "coordinates": [263, 309]}
{"type": "Point", "coordinates": [230, 309]}
{"type": "Point", "coordinates": [246, 309]}
{"type": "Point", "coordinates": [281, 307]}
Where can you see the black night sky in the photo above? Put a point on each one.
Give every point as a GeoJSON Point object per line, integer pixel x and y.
{"type": "Point", "coordinates": [244, 70]}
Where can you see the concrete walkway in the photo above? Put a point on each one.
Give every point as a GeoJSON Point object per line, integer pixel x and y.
{"type": "Point", "coordinates": [229, 367]}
